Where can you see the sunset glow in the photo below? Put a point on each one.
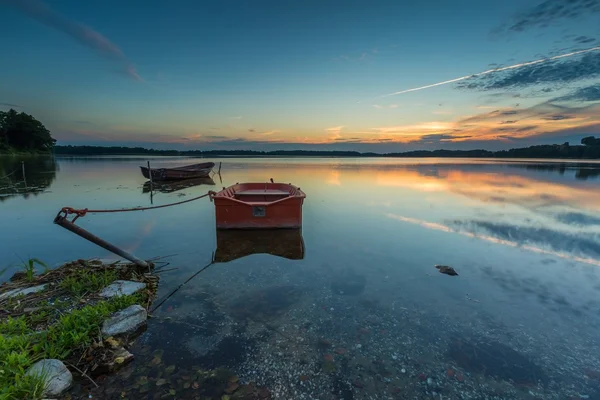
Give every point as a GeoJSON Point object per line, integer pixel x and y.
{"type": "Point", "coordinates": [244, 83]}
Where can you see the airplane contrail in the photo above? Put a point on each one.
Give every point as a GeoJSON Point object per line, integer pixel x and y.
{"type": "Point", "coordinates": [490, 71]}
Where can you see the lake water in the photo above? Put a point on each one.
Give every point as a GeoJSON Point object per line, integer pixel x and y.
{"type": "Point", "coordinates": [357, 310]}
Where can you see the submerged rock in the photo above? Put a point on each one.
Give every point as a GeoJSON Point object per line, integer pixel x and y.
{"type": "Point", "coordinates": [57, 378]}
{"type": "Point", "coordinates": [444, 269]}
{"type": "Point", "coordinates": [22, 291]}
{"type": "Point", "coordinates": [122, 288]}
{"type": "Point", "coordinates": [115, 360]}
{"type": "Point", "coordinates": [127, 320]}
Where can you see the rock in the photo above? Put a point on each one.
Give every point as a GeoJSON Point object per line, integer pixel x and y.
{"type": "Point", "coordinates": [444, 269]}
{"type": "Point", "coordinates": [127, 320]}
{"type": "Point", "coordinates": [119, 358]}
{"type": "Point", "coordinates": [22, 291]}
{"type": "Point", "coordinates": [57, 378]}
{"type": "Point", "coordinates": [122, 288]}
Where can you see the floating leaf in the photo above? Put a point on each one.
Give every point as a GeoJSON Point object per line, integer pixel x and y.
{"type": "Point", "coordinates": [161, 382]}
{"type": "Point", "coordinates": [169, 370]}
{"type": "Point", "coordinates": [158, 353]}
{"type": "Point", "coordinates": [142, 380]}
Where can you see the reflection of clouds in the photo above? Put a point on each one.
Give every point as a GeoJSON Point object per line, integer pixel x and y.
{"type": "Point", "coordinates": [145, 231]}
{"type": "Point", "coordinates": [334, 178]}
{"type": "Point", "coordinates": [491, 187]}
{"type": "Point", "coordinates": [577, 218]}
{"type": "Point", "coordinates": [585, 243]}
{"type": "Point", "coordinates": [493, 239]}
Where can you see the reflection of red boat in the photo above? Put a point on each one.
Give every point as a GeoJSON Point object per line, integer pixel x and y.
{"type": "Point", "coordinates": [259, 206]}
{"type": "Point", "coordinates": [238, 243]}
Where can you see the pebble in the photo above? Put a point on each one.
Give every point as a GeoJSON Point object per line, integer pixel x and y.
{"type": "Point", "coordinates": [429, 381]}
{"type": "Point", "coordinates": [403, 370]}
{"type": "Point", "coordinates": [358, 346]}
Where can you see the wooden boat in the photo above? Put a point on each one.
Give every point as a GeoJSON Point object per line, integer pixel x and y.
{"type": "Point", "coordinates": [258, 206]}
{"type": "Point", "coordinates": [185, 172]}
{"type": "Point", "coordinates": [173, 186]}
{"type": "Point", "coordinates": [237, 243]}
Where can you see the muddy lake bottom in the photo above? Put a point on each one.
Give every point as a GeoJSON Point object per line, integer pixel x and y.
{"type": "Point", "coordinates": [350, 307]}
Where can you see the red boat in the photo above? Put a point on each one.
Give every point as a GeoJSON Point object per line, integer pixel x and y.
{"type": "Point", "coordinates": [259, 206]}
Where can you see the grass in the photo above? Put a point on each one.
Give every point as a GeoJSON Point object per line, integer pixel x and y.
{"type": "Point", "coordinates": [20, 347]}
{"type": "Point", "coordinates": [29, 268]}
{"type": "Point", "coordinates": [85, 281]}
{"type": "Point", "coordinates": [61, 322]}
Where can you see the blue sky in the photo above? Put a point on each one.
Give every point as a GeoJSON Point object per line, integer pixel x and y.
{"type": "Point", "coordinates": [312, 74]}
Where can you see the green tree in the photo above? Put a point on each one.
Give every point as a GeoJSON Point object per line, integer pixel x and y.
{"type": "Point", "coordinates": [20, 131]}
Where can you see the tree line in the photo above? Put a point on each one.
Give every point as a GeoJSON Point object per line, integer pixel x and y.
{"type": "Point", "coordinates": [20, 132]}
{"type": "Point", "coordinates": [590, 148]}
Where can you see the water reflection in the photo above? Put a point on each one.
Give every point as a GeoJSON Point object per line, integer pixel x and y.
{"type": "Point", "coordinates": [233, 244]}
{"type": "Point", "coordinates": [169, 187]}
{"type": "Point", "coordinates": [26, 176]}
{"type": "Point", "coordinates": [364, 313]}
{"type": "Point", "coordinates": [583, 171]}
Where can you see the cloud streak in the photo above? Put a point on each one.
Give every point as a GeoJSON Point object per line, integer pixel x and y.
{"type": "Point", "coordinates": [10, 105]}
{"type": "Point", "coordinates": [549, 11]}
{"type": "Point", "coordinates": [39, 11]}
{"type": "Point", "coordinates": [589, 93]}
{"type": "Point", "coordinates": [495, 70]}
{"type": "Point", "coordinates": [553, 75]}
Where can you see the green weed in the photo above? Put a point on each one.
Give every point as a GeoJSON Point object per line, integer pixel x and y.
{"type": "Point", "coordinates": [29, 267]}
{"type": "Point", "coordinates": [14, 326]}
{"type": "Point", "coordinates": [86, 281]}
{"type": "Point", "coordinates": [20, 347]}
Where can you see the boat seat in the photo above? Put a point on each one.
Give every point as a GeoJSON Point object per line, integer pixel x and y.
{"type": "Point", "coordinates": [262, 192]}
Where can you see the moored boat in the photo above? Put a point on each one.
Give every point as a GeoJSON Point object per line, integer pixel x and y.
{"type": "Point", "coordinates": [185, 172]}
{"type": "Point", "coordinates": [259, 206]}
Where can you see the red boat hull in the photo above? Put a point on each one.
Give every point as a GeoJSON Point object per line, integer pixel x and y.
{"type": "Point", "coordinates": [259, 206]}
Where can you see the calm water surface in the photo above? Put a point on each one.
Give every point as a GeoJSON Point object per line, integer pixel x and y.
{"type": "Point", "coordinates": [357, 310]}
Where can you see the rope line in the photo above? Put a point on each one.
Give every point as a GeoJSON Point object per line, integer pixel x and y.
{"type": "Point", "coordinates": [84, 211]}
{"type": "Point", "coordinates": [181, 285]}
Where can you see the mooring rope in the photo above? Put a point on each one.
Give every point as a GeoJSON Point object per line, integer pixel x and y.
{"type": "Point", "coordinates": [181, 285]}
{"type": "Point", "coordinates": [82, 212]}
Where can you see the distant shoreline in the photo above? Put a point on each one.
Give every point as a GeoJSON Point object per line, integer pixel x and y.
{"type": "Point", "coordinates": [555, 151]}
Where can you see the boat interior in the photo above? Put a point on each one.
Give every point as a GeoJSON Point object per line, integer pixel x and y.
{"type": "Point", "coordinates": [260, 192]}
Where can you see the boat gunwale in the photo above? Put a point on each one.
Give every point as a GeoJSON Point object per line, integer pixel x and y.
{"type": "Point", "coordinates": [298, 195]}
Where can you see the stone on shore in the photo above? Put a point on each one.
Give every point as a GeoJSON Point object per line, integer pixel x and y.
{"type": "Point", "coordinates": [57, 378]}
{"type": "Point", "coordinates": [128, 320]}
{"type": "Point", "coordinates": [122, 288]}
{"type": "Point", "coordinates": [22, 291]}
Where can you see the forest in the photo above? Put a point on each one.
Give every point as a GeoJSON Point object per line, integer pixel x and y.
{"type": "Point", "coordinates": [22, 133]}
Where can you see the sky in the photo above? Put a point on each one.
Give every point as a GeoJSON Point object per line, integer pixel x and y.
{"type": "Point", "coordinates": [382, 76]}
